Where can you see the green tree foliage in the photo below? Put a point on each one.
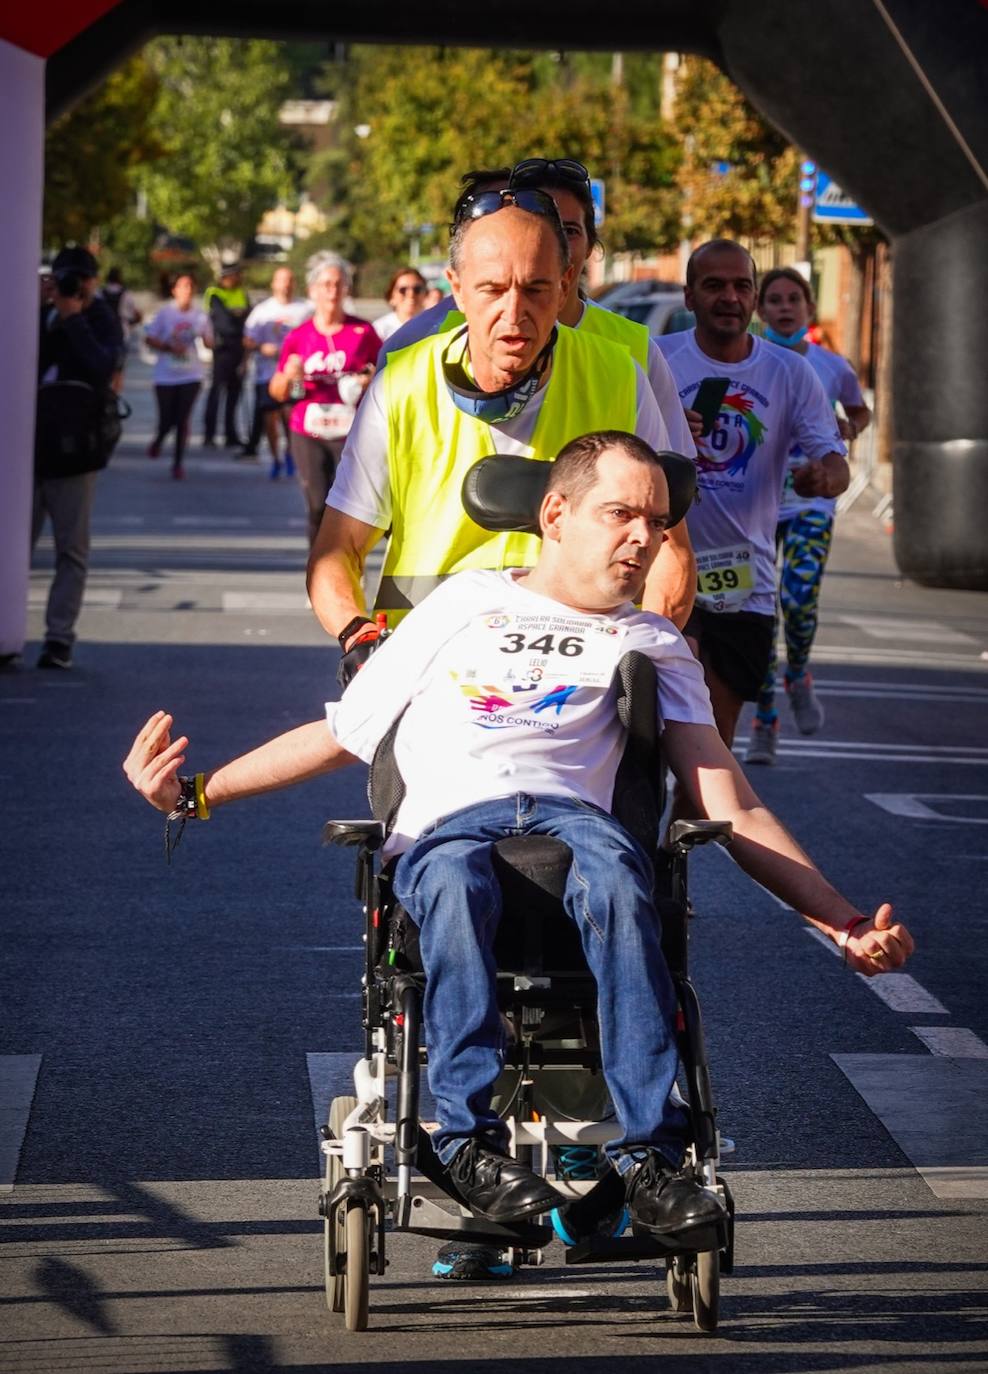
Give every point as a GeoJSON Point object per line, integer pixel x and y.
{"type": "Point", "coordinates": [91, 153]}
{"type": "Point", "coordinates": [427, 115]}
{"type": "Point", "coordinates": [755, 196]}
{"type": "Point", "coordinates": [226, 158]}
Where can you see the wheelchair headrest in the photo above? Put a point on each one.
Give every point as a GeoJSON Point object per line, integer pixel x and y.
{"type": "Point", "coordinates": [503, 492]}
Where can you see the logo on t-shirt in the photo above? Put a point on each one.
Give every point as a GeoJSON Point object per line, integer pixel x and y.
{"type": "Point", "coordinates": [737, 433]}
{"type": "Point", "coordinates": [499, 707]}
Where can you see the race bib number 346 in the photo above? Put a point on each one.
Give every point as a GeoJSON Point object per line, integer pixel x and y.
{"type": "Point", "coordinates": [725, 578]}
{"type": "Point", "coordinates": [576, 650]}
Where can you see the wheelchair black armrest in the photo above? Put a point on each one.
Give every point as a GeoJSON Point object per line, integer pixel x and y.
{"type": "Point", "coordinates": [686, 835]}
{"type": "Point", "coordinates": [369, 833]}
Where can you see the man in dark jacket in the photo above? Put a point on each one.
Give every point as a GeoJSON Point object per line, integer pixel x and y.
{"type": "Point", "coordinates": [81, 342]}
{"type": "Point", "coordinates": [228, 307]}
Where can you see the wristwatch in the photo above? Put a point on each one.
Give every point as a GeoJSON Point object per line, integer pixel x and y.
{"type": "Point", "coordinates": [351, 628]}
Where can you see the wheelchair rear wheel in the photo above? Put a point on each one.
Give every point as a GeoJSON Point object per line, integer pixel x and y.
{"type": "Point", "coordinates": [334, 1227]}
{"type": "Point", "coordinates": [705, 1283]}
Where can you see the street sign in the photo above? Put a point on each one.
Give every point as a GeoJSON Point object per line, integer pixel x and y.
{"type": "Point", "coordinates": [597, 195]}
{"type": "Point", "coordinates": [834, 206]}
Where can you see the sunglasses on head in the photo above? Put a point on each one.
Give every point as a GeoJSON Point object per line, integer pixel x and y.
{"type": "Point", "coordinates": [489, 202]}
{"type": "Point", "coordinates": [536, 169]}
{"type": "Point", "coordinates": [415, 290]}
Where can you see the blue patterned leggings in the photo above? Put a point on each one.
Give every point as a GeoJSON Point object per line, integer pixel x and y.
{"type": "Point", "coordinates": [804, 541]}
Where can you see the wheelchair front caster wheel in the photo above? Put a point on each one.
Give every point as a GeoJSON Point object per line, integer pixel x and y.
{"type": "Point", "coordinates": [356, 1275]}
{"type": "Point", "coordinates": [678, 1284]}
{"type": "Point", "coordinates": [334, 1227]}
{"type": "Point", "coordinates": [705, 1283]}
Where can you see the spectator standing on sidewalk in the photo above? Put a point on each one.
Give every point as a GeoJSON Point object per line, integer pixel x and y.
{"type": "Point", "coordinates": [806, 523]}
{"type": "Point", "coordinates": [178, 369]}
{"type": "Point", "coordinates": [80, 349]}
{"type": "Point", "coordinates": [324, 368]}
{"type": "Point", "coordinates": [267, 327]}
{"type": "Point", "coordinates": [228, 306]}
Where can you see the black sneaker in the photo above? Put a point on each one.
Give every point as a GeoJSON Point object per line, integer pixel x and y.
{"type": "Point", "coordinates": [466, 1263]}
{"type": "Point", "coordinates": [496, 1187]}
{"type": "Point", "coordinates": [55, 655]}
{"type": "Point", "coordinates": [667, 1201]}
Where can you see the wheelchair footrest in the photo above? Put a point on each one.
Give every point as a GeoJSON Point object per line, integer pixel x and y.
{"type": "Point", "coordinates": [424, 1218]}
{"type": "Point", "coordinates": [643, 1246]}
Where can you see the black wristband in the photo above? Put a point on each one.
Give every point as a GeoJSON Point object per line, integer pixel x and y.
{"type": "Point", "coordinates": [351, 628]}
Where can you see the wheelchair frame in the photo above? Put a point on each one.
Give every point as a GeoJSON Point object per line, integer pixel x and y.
{"type": "Point", "coordinates": [361, 1200]}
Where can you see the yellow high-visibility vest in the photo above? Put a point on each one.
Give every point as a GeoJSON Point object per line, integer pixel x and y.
{"type": "Point", "coordinates": [431, 446]}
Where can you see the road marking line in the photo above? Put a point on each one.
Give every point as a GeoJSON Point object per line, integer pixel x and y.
{"type": "Point", "coordinates": [37, 597]}
{"type": "Point", "coordinates": [265, 601]}
{"type": "Point", "coordinates": [897, 689]}
{"type": "Point", "coordinates": [951, 1042]}
{"type": "Point", "coordinates": [790, 749]}
{"type": "Point", "coordinates": [18, 1080]}
{"type": "Point", "coordinates": [813, 746]}
{"type": "Point", "coordinates": [213, 521]}
{"type": "Point", "coordinates": [911, 805]}
{"type": "Point", "coordinates": [326, 949]}
{"type": "Point", "coordinates": [901, 992]}
{"type": "Point", "coordinates": [936, 1111]}
{"type": "Point", "coordinates": [844, 654]}
{"type": "Point", "coordinates": [926, 631]}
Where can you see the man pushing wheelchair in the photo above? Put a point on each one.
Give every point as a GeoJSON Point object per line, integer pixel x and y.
{"type": "Point", "coordinates": [502, 686]}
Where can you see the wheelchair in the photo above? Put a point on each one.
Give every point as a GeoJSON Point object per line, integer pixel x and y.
{"type": "Point", "coordinates": [382, 1176]}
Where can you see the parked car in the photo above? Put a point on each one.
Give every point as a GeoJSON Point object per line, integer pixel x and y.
{"type": "Point", "coordinates": [661, 312]}
{"type": "Point", "coordinates": [616, 291]}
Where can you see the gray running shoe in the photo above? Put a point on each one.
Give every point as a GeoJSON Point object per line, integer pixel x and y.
{"type": "Point", "coordinates": [762, 740]}
{"type": "Point", "coordinates": [806, 709]}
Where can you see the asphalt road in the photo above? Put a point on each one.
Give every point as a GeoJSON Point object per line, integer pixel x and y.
{"type": "Point", "coordinates": [167, 1032]}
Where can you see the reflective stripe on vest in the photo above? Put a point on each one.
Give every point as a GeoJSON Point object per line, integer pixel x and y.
{"type": "Point", "coordinates": [431, 446]}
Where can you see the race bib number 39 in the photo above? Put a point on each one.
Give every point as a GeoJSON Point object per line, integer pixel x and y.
{"type": "Point", "coordinates": [576, 650]}
{"type": "Point", "coordinates": [725, 578]}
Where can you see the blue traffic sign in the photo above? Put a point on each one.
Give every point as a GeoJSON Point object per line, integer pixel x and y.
{"type": "Point", "coordinates": [597, 195]}
{"type": "Point", "coordinates": [834, 206]}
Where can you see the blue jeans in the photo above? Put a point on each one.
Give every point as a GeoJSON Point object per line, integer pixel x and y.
{"type": "Point", "coordinates": [446, 883]}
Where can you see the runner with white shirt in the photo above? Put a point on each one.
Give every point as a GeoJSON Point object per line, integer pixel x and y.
{"type": "Point", "coordinates": [178, 370]}
{"type": "Point", "coordinates": [772, 400]}
{"type": "Point", "coordinates": [805, 528]}
{"type": "Point", "coordinates": [267, 327]}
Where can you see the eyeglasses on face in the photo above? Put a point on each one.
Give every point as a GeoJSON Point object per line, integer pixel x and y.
{"type": "Point", "coordinates": [535, 169]}
{"type": "Point", "coordinates": [489, 202]}
{"type": "Point", "coordinates": [417, 290]}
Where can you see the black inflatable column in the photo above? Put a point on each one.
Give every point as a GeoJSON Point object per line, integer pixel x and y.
{"type": "Point", "coordinates": [940, 400]}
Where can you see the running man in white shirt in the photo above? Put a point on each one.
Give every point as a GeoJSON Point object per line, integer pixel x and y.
{"type": "Point", "coordinates": [267, 327]}
{"type": "Point", "coordinates": [768, 400]}
{"type": "Point", "coordinates": [489, 749]}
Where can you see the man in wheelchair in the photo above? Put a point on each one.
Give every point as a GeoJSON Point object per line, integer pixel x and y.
{"type": "Point", "coordinates": [501, 685]}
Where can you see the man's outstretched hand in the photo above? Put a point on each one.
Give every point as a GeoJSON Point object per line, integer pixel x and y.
{"type": "Point", "coordinates": [154, 760]}
{"type": "Point", "coordinates": [880, 945]}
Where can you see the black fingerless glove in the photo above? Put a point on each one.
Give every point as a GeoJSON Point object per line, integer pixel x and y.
{"type": "Point", "coordinates": [352, 662]}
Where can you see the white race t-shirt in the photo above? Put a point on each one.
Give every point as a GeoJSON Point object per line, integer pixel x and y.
{"type": "Point", "coordinates": [774, 400]}
{"type": "Point", "coordinates": [502, 696]}
{"type": "Point", "coordinates": [421, 326]}
{"type": "Point", "coordinates": [270, 323]}
{"type": "Point", "coordinates": [181, 327]}
{"type": "Point", "coordinates": [362, 487]}
{"type": "Point", "coordinates": [840, 382]}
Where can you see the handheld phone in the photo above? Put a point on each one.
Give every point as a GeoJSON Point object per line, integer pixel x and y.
{"type": "Point", "coordinates": [707, 400]}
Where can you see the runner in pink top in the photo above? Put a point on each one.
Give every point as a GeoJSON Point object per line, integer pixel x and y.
{"type": "Point", "coordinates": [324, 367]}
